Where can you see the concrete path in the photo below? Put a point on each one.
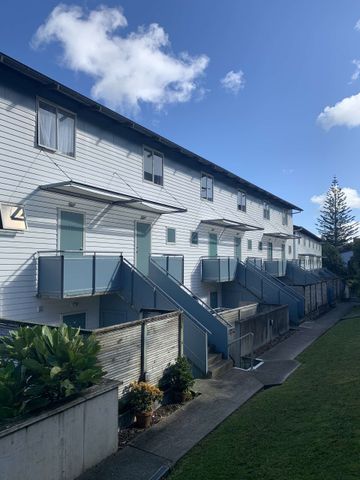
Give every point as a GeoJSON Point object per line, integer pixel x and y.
{"type": "Point", "coordinates": [155, 451]}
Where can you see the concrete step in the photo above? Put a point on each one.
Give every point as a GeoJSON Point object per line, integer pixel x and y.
{"type": "Point", "coordinates": [213, 358]}
{"type": "Point", "coordinates": [220, 368]}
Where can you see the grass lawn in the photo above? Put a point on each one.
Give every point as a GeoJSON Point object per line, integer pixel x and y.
{"type": "Point", "coordinates": [309, 428]}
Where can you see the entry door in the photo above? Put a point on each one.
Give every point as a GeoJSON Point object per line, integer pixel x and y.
{"type": "Point", "coordinates": [143, 246]}
{"type": "Point", "coordinates": [237, 248]}
{"type": "Point", "coordinates": [270, 251]}
{"type": "Point", "coordinates": [213, 243]}
{"type": "Point", "coordinates": [283, 251]}
{"type": "Point", "coordinates": [71, 231]}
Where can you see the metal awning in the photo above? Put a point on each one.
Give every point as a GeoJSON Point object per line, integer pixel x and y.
{"type": "Point", "coordinates": [231, 224]}
{"type": "Point", "coordinates": [309, 255]}
{"type": "Point", "coordinates": [96, 194]}
{"type": "Point", "coordinates": [281, 235]}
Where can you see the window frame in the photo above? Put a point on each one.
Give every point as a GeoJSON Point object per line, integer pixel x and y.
{"type": "Point", "coordinates": [160, 154]}
{"type": "Point", "coordinates": [57, 108]}
{"type": "Point", "coordinates": [249, 244]}
{"type": "Point", "coordinates": [191, 242]}
{"type": "Point", "coordinates": [208, 175]}
{"type": "Point", "coordinates": [285, 217]}
{"type": "Point", "coordinates": [240, 206]}
{"type": "Point", "coordinates": [266, 210]}
{"type": "Point", "coordinates": [167, 235]}
{"type": "Point", "coordinates": [260, 246]}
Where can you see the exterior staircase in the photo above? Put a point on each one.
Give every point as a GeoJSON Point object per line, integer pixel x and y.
{"type": "Point", "coordinates": [217, 365]}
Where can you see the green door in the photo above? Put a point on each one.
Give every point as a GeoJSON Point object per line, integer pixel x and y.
{"type": "Point", "coordinates": [237, 248]}
{"type": "Point", "coordinates": [71, 231]}
{"type": "Point", "coordinates": [143, 246]}
{"type": "Point", "coordinates": [213, 243]}
{"type": "Point", "coordinates": [270, 251]}
{"type": "Point", "coordinates": [75, 320]}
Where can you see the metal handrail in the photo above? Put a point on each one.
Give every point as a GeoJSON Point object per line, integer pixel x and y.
{"type": "Point", "coordinates": [251, 335]}
{"type": "Point", "coordinates": [168, 297]}
{"type": "Point", "coordinates": [195, 297]}
{"type": "Point", "coordinates": [270, 278]}
{"type": "Point", "coordinates": [92, 252]}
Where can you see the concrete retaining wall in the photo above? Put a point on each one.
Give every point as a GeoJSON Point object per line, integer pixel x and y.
{"type": "Point", "coordinates": [140, 349]}
{"type": "Point", "coordinates": [60, 444]}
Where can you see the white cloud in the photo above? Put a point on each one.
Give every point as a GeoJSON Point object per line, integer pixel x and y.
{"type": "Point", "coordinates": [357, 25]}
{"type": "Point", "coordinates": [344, 113]}
{"type": "Point", "coordinates": [352, 198]}
{"type": "Point", "coordinates": [127, 69]}
{"type": "Point", "coordinates": [356, 74]}
{"type": "Point", "coordinates": [233, 81]}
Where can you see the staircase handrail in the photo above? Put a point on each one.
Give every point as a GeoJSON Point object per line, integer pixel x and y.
{"type": "Point", "coordinates": [195, 297]}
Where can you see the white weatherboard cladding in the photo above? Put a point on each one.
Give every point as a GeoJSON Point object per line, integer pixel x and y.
{"type": "Point", "coordinates": [110, 157]}
{"type": "Point", "coordinates": [309, 247]}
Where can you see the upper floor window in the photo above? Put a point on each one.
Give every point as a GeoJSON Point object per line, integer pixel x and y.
{"type": "Point", "coordinates": [194, 238]}
{"type": "Point", "coordinates": [299, 240]}
{"type": "Point", "coordinates": [260, 246]}
{"type": "Point", "coordinates": [207, 187]}
{"type": "Point", "coordinates": [153, 166]}
{"type": "Point", "coordinates": [56, 129]}
{"type": "Point", "coordinates": [170, 235]}
{"type": "Point", "coordinates": [249, 244]}
{"type": "Point", "coordinates": [266, 211]}
{"type": "Point", "coordinates": [241, 201]}
{"type": "Point", "coordinates": [285, 217]}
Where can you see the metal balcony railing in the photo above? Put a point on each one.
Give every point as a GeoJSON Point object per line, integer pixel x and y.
{"type": "Point", "coordinates": [218, 269]}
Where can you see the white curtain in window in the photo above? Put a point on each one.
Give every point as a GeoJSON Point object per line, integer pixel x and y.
{"type": "Point", "coordinates": [47, 126]}
{"type": "Point", "coordinates": [66, 133]}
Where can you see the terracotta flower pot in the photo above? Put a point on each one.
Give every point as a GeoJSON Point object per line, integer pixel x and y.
{"type": "Point", "coordinates": [143, 419]}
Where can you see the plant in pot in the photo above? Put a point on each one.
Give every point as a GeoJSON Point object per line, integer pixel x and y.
{"type": "Point", "coordinates": [142, 396]}
{"type": "Point", "coordinates": [179, 379]}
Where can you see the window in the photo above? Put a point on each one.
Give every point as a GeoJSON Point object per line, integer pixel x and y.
{"type": "Point", "coordinates": [171, 235]}
{"type": "Point", "coordinates": [260, 246]}
{"type": "Point", "coordinates": [289, 249]}
{"type": "Point", "coordinates": [207, 187]}
{"type": "Point", "coordinates": [56, 129]}
{"type": "Point", "coordinates": [12, 217]}
{"type": "Point", "coordinates": [194, 238]}
{"type": "Point", "coordinates": [299, 239]}
{"type": "Point", "coordinates": [75, 320]}
{"type": "Point", "coordinates": [266, 211]}
{"type": "Point", "coordinates": [285, 218]}
{"type": "Point", "coordinates": [241, 201]}
{"type": "Point", "coordinates": [249, 244]}
{"type": "Point", "coordinates": [153, 166]}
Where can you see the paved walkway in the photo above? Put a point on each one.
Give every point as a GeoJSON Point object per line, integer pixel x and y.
{"type": "Point", "coordinates": [153, 452]}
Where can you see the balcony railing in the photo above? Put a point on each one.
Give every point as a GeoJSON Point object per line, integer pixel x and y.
{"type": "Point", "coordinates": [171, 263]}
{"type": "Point", "coordinates": [277, 268]}
{"type": "Point", "coordinates": [66, 274]}
{"type": "Point", "coordinates": [218, 269]}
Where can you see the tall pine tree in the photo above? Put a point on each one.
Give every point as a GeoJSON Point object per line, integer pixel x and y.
{"type": "Point", "coordinates": [336, 224]}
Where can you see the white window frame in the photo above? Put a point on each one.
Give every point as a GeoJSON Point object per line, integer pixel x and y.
{"type": "Point", "coordinates": [266, 210]}
{"type": "Point", "coordinates": [241, 206]}
{"type": "Point", "coordinates": [57, 107]}
{"type": "Point", "coordinates": [167, 235]}
{"type": "Point", "coordinates": [160, 154]}
{"type": "Point", "coordinates": [208, 175]}
{"type": "Point", "coordinates": [285, 217]}
{"type": "Point", "coordinates": [191, 234]}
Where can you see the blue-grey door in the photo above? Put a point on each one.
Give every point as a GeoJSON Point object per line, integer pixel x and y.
{"type": "Point", "coordinates": [143, 246]}
{"type": "Point", "coordinates": [75, 320]}
{"type": "Point", "coordinates": [213, 243]}
{"type": "Point", "coordinates": [270, 251]}
{"type": "Point", "coordinates": [214, 302]}
{"type": "Point", "coordinates": [283, 254]}
{"type": "Point", "coordinates": [237, 248]}
{"type": "Point", "coordinates": [71, 231]}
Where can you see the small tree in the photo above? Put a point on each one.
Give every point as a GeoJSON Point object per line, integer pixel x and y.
{"type": "Point", "coordinates": [332, 259]}
{"type": "Point", "coordinates": [336, 223]}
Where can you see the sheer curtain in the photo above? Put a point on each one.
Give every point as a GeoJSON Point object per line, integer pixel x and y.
{"type": "Point", "coordinates": [47, 126]}
{"type": "Point", "coordinates": [66, 142]}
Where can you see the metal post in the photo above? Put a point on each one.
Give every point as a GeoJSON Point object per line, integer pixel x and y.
{"type": "Point", "coordinates": [62, 276]}
{"type": "Point", "coordinates": [94, 274]}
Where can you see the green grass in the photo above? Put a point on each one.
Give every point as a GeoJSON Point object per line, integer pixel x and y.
{"type": "Point", "coordinates": [309, 428]}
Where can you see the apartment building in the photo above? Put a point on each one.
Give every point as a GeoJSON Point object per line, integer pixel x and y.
{"type": "Point", "coordinates": [307, 248]}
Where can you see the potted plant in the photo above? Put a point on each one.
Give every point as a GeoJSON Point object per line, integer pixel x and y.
{"type": "Point", "coordinates": [179, 379]}
{"type": "Point", "coordinates": [142, 396]}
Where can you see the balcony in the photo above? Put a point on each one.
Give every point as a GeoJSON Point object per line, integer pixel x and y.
{"type": "Point", "coordinates": [218, 269]}
{"type": "Point", "coordinates": [277, 268]}
{"type": "Point", "coordinates": [173, 264]}
{"type": "Point", "coordinates": [77, 274]}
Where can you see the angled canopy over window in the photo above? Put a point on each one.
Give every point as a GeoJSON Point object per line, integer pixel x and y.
{"type": "Point", "coordinates": [12, 217]}
{"type": "Point", "coordinates": [96, 194]}
{"type": "Point", "coordinates": [231, 224]}
{"type": "Point", "coordinates": [281, 235]}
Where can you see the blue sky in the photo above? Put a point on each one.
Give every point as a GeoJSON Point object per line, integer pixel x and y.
{"type": "Point", "coordinates": [290, 60]}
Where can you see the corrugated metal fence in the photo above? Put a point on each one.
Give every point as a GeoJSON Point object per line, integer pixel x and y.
{"type": "Point", "coordinates": [130, 351]}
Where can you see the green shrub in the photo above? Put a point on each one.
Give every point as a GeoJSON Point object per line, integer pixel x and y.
{"type": "Point", "coordinates": [178, 377]}
{"type": "Point", "coordinates": [142, 395]}
{"type": "Point", "coordinates": [41, 365]}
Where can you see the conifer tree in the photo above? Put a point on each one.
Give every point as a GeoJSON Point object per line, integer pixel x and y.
{"type": "Point", "coordinates": [336, 223]}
